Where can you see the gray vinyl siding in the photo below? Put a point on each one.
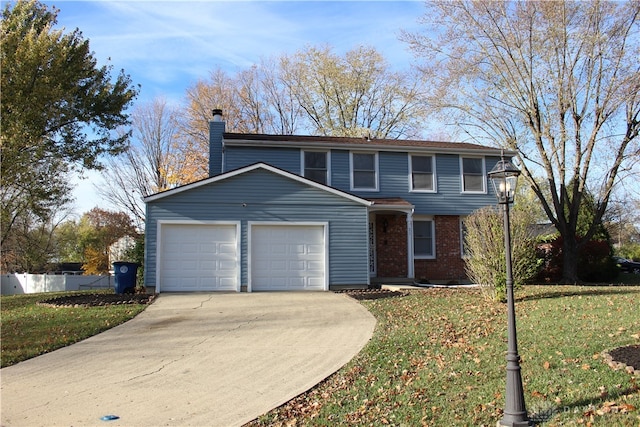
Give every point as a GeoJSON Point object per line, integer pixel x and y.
{"type": "Point", "coordinates": [340, 171]}
{"type": "Point", "coordinates": [260, 195]}
{"type": "Point", "coordinates": [283, 158]}
{"type": "Point", "coordinates": [393, 177]}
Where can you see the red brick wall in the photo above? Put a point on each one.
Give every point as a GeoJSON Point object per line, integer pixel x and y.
{"type": "Point", "coordinates": [448, 264]}
{"type": "Point", "coordinates": [391, 245]}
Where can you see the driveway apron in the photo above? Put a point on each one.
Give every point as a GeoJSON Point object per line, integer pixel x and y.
{"type": "Point", "coordinates": [197, 359]}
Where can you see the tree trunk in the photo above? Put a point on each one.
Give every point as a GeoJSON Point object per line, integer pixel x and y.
{"type": "Point", "coordinates": [570, 259]}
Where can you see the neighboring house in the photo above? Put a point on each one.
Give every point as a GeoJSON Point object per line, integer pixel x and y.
{"type": "Point", "coordinates": [314, 213]}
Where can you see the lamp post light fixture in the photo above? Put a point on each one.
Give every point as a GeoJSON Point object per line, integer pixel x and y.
{"type": "Point", "coordinates": [504, 177]}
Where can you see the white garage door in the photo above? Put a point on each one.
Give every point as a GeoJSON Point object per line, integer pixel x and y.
{"type": "Point", "coordinates": [198, 257]}
{"type": "Point", "coordinates": [288, 257]}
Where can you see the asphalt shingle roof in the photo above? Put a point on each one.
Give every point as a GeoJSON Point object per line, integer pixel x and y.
{"type": "Point", "coordinates": [296, 140]}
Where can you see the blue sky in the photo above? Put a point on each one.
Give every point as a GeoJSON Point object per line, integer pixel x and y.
{"type": "Point", "coordinates": [166, 46]}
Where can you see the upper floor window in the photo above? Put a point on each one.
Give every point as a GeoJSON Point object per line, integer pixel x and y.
{"type": "Point", "coordinates": [315, 166]}
{"type": "Point", "coordinates": [473, 174]}
{"type": "Point", "coordinates": [422, 173]}
{"type": "Point", "coordinates": [423, 238]}
{"type": "Point", "coordinates": [364, 171]}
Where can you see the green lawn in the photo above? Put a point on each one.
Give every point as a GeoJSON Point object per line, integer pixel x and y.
{"type": "Point", "coordinates": [29, 330]}
{"type": "Point", "coordinates": [437, 359]}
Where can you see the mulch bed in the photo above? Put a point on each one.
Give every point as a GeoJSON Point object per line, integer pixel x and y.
{"type": "Point", "coordinates": [368, 294]}
{"type": "Point", "coordinates": [627, 358]}
{"type": "Point", "coordinates": [96, 300]}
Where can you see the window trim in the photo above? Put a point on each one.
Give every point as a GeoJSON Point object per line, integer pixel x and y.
{"type": "Point", "coordinates": [433, 174]}
{"type": "Point", "coordinates": [484, 175]}
{"type": "Point", "coordinates": [376, 166]}
{"type": "Point", "coordinates": [328, 169]}
{"type": "Point", "coordinates": [425, 218]}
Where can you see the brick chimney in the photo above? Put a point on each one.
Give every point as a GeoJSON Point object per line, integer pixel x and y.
{"type": "Point", "coordinates": [216, 129]}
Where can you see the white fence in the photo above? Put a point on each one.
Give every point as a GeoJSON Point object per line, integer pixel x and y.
{"type": "Point", "coordinates": [16, 283]}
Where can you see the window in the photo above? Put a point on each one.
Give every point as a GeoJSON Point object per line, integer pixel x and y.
{"type": "Point", "coordinates": [422, 176]}
{"type": "Point", "coordinates": [315, 166]}
{"type": "Point", "coordinates": [364, 168]}
{"type": "Point", "coordinates": [423, 239]}
{"type": "Point", "coordinates": [473, 175]}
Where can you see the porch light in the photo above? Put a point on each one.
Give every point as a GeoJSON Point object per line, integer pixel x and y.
{"type": "Point", "coordinates": [504, 178]}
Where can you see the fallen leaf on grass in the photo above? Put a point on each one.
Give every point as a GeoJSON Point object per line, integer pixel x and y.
{"type": "Point", "coordinates": [610, 407]}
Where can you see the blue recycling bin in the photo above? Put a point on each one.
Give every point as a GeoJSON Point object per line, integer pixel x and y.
{"type": "Point", "coordinates": [125, 276]}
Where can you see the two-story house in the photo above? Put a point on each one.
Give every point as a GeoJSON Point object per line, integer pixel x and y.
{"type": "Point", "coordinates": [314, 213]}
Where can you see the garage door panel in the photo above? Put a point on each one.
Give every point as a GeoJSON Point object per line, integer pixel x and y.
{"type": "Point", "coordinates": [208, 265]}
{"type": "Point", "coordinates": [315, 249]}
{"type": "Point", "coordinates": [287, 257]}
{"type": "Point", "coordinates": [296, 282]}
{"type": "Point", "coordinates": [297, 266]}
{"type": "Point", "coordinates": [190, 248]}
{"type": "Point", "coordinates": [208, 247]}
{"type": "Point", "coordinates": [315, 266]}
{"type": "Point", "coordinates": [186, 266]}
{"type": "Point", "coordinates": [198, 257]}
{"type": "Point", "coordinates": [278, 248]}
{"type": "Point", "coordinates": [296, 249]}
{"type": "Point", "coordinates": [277, 265]}
{"type": "Point", "coordinates": [315, 282]}
{"type": "Point", "coordinates": [189, 283]}
{"type": "Point", "coordinates": [227, 249]}
{"type": "Point", "coordinates": [227, 265]}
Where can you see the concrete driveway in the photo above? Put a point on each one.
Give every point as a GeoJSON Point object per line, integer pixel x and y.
{"type": "Point", "coordinates": [191, 359]}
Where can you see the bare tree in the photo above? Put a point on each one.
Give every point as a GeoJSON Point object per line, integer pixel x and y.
{"type": "Point", "coordinates": [286, 112]}
{"type": "Point", "coordinates": [622, 221]}
{"type": "Point", "coordinates": [557, 81]}
{"type": "Point", "coordinates": [315, 91]}
{"type": "Point", "coordinates": [153, 162]}
{"type": "Point", "coordinates": [219, 91]}
{"type": "Point", "coordinates": [354, 95]}
{"type": "Point", "coordinates": [254, 111]}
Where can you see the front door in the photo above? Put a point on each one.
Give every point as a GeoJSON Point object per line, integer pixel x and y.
{"type": "Point", "coordinates": [390, 235]}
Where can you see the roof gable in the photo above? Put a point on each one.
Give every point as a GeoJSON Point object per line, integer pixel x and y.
{"type": "Point", "coordinates": [240, 171]}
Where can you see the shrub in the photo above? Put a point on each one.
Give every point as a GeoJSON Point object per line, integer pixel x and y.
{"type": "Point", "coordinates": [595, 262]}
{"type": "Point", "coordinates": [484, 246]}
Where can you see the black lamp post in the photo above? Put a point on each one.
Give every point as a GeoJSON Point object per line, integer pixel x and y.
{"type": "Point", "coordinates": [504, 177]}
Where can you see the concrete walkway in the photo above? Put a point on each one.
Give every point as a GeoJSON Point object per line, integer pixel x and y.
{"type": "Point", "coordinates": [191, 360]}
